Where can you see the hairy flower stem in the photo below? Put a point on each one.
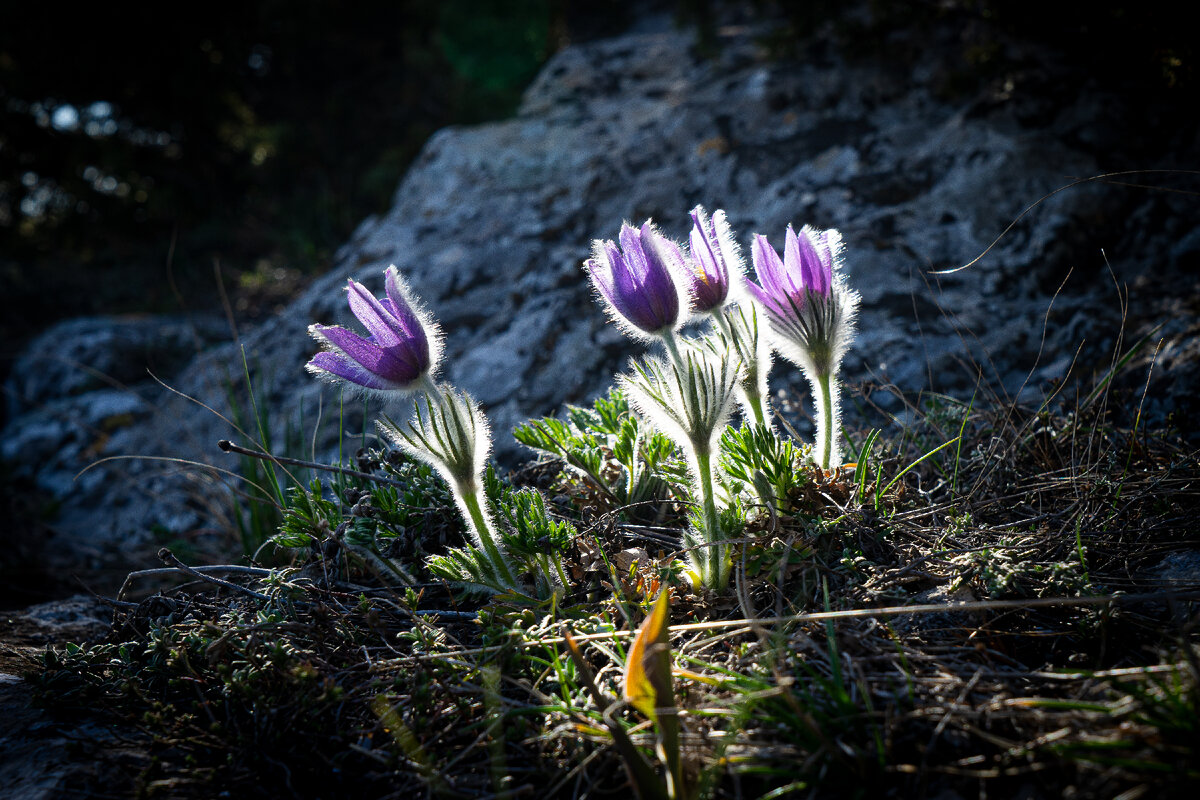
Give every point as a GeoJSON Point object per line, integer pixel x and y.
{"type": "Point", "coordinates": [726, 327]}
{"type": "Point", "coordinates": [754, 399]}
{"type": "Point", "coordinates": [672, 346]}
{"type": "Point", "coordinates": [824, 387]}
{"type": "Point", "coordinates": [469, 497]}
{"type": "Point", "coordinates": [427, 387]}
{"type": "Point", "coordinates": [715, 575]}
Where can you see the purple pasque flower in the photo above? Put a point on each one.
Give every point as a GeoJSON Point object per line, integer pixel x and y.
{"type": "Point", "coordinates": [809, 308]}
{"type": "Point", "coordinates": [398, 355]}
{"type": "Point", "coordinates": [716, 266]}
{"type": "Point", "coordinates": [811, 311]}
{"type": "Point", "coordinates": [638, 281]}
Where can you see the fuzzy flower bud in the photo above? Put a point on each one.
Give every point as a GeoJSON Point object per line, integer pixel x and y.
{"type": "Point", "coordinates": [716, 268]}
{"type": "Point", "coordinates": [637, 281]}
{"type": "Point", "coordinates": [400, 352]}
{"type": "Point", "coordinates": [809, 306]}
{"type": "Point", "coordinates": [811, 311]}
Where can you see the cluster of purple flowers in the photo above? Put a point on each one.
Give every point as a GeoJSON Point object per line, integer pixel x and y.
{"type": "Point", "coordinates": [650, 286]}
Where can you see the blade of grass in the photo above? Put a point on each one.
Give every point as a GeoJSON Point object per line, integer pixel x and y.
{"type": "Point", "coordinates": [880, 493]}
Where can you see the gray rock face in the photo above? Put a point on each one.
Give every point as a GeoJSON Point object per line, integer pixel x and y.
{"type": "Point", "coordinates": [82, 355]}
{"type": "Point", "coordinates": [492, 222]}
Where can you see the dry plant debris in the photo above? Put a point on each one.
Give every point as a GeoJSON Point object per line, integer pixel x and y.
{"type": "Point", "coordinates": [1014, 615]}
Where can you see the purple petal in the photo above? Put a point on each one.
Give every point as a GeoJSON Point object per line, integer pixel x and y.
{"type": "Point", "coordinates": [611, 276]}
{"type": "Point", "coordinates": [703, 240]}
{"type": "Point", "coordinates": [663, 254]}
{"type": "Point", "coordinates": [803, 260]}
{"type": "Point", "coordinates": [710, 278]}
{"type": "Point", "coordinates": [613, 260]}
{"type": "Point", "coordinates": [723, 241]}
{"type": "Point", "coordinates": [378, 321]}
{"type": "Point", "coordinates": [632, 255]}
{"type": "Point", "coordinates": [767, 265]}
{"type": "Point", "coordinates": [338, 365]}
{"type": "Point", "coordinates": [414, 349]}
{"type": "Point", "coordinates": [629, 296]}
{"type": "Point", "coordinates": [759, 294]}
{"type": "Point", "coordinates": [705, 258]}
{"type": "Point", "coordinates": [602, 278]}
{"type": "Point", "coordinates": [353, 346]}
{"type": "Point", "coordinates": [663, 258]}
{"type": "Point", "coordinates": [397, 366]}
{"type": "Point", "coordinates": [397, 303]}
{"type": "Point", "coordinates": [795, 270]}
{"type": "Point", "coordinates": [826, 244]}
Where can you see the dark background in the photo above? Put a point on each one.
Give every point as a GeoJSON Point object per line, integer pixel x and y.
{"type": "Point", "coordinates": [142, 145]}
